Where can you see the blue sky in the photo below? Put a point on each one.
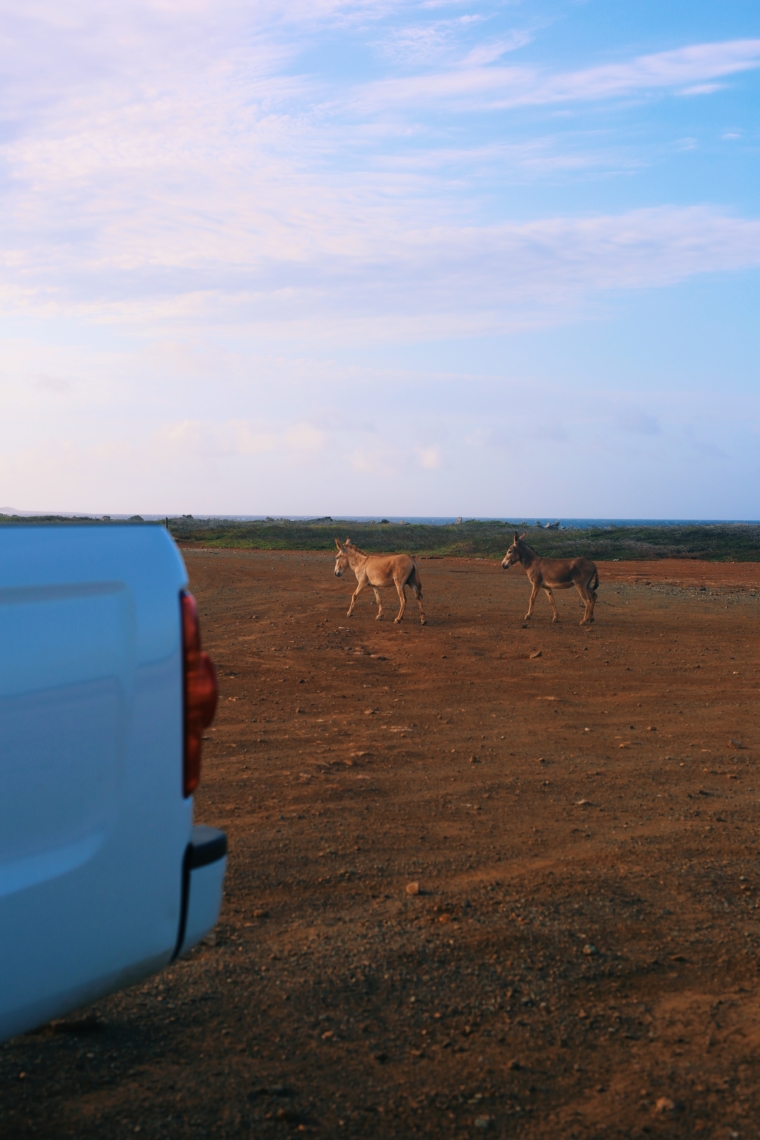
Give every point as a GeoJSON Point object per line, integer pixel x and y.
{"type": "Point", "coordinates": [381, 256]}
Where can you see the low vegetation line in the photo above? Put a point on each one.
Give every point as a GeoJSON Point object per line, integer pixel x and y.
{"type": "Point", "coordinates": [733, 542]}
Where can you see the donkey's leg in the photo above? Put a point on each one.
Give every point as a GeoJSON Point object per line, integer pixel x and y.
{"type": "Point", "coordinates": [533, 596]}
{"type": "Point", "coordinates": [413, 581]}
{"type": "Point", "coordinates": [379, 601]}
{"type": "Point", "coordinates": [418, 595]}
{"type": "Point", "coordinates": [550, 596]}
{"type": "Point", "coordinates": [401, 591]}
{"type": "Point", "coordinates": [355, 595]}
{"type": "Point", "coordinates": [588, 607]}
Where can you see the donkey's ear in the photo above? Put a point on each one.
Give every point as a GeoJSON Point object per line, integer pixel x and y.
{"type": "Point", "coordinates": [522, 536]}
{"type": "Point", "coordinates": [517, 537]}
{"type": "Point", "coordinates": [348, 542]}
{"type": "Point", "coordinates": [337, 543]}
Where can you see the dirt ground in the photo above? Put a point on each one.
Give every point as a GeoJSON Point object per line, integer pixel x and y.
{"type": "Point", "coordinates": [470, 889]}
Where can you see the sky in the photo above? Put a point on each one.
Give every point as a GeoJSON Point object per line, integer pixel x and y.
{"type": "Point", "coordinates": [408, 257]}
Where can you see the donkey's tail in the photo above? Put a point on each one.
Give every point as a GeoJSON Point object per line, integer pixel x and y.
{"type": "Point", "coordinates": [594, 583]}
{"type": "Point", "coordinates": [413, 581]}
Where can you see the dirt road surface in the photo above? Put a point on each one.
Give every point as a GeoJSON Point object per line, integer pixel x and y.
{"type": "Point", "coordinates": [483, 878]}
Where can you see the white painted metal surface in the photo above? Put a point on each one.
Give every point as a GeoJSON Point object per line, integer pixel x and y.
{"type": "Point", "coordinates": [93, 823]}
{"type": "Point", "coordinates": [205, 897]}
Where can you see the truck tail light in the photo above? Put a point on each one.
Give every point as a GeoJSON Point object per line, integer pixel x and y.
{"type": "Point", "coordinates": [200, 692]}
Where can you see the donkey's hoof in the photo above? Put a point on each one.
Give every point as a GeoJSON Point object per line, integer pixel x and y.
{"type": "Point", "coordinates": [423, 621]}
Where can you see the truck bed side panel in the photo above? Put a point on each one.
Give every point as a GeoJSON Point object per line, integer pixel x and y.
{"type": "Point", "coordinates": [93, 825]}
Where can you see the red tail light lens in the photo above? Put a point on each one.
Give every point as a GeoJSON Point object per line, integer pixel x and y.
{"type": "Point", "coordinates": [200, 692]}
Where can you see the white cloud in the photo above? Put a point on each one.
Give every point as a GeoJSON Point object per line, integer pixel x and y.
{"type": "Point", "coordinates": [304, 439]}
{"type": "Point", "coordinates": [489, 52]}
{"type": "Point", "coordinates": [425, 43]}
{"type": "Point", "coordinates": [365, 265]}
{"type": "Point", "coordinates": [540, 156]}
{"type": "Point", "coordinates": [379, 461]}
{"type": "Point", "coordinates": [215, 439]}
{"type": "Point", "coordinates": [702, 89]}
{"type": "Point", "coordinates": [204, 439]}
{"type": "Point", "coordinates": [503, 87]}
{"type": "Point", "coordinates": [429, 458]}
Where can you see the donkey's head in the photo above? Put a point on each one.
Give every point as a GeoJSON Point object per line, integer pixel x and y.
{"type": "Point", "coordinates": [341, 558]}
{"type": "Point", "coordinates": [515, 552]}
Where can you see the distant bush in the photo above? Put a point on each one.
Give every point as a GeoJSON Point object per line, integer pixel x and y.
{"type": "Point", "coordinates": [731, 542]}
{"type": "Point", "coordinates": [727, 542]}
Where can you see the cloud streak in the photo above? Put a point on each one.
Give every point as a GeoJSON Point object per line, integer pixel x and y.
{"type": "Point", "coordinates": [465, 88]}
{"type": "Point", "coordinates": [370, 268]}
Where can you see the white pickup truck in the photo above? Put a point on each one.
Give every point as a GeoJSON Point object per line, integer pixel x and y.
{"type": "Point", "coordinates": [104, 696]}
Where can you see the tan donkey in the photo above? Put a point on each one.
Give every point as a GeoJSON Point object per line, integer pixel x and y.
{"type": "Point", "coordinates": [380, 571]}
{"type": "Point", "coordinates": [550, 574]}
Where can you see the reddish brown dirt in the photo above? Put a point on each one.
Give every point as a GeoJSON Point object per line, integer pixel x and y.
{"type": "Point", "coordinates": [581, 959]}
